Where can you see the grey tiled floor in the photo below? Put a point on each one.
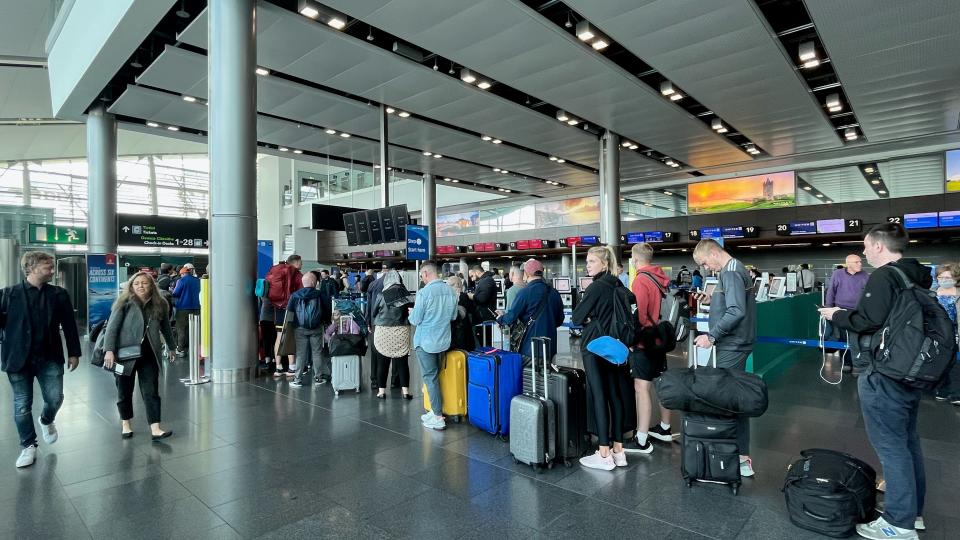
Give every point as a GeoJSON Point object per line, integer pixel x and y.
{"type": "Point", "coordinates": [267, 460]}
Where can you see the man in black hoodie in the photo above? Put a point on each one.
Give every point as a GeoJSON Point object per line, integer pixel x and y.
{"type": "Point", "coordinates": [889, 407]}
{"type": "Point", "coordinates": [485, 296]}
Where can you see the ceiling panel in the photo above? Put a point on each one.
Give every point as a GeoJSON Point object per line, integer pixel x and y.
{"type": "Point", "coordinates": [24, 92]}
{"type": "Point", "coordinates": [843, 184]}
{"type": "Point", "coordinates": [912, 177]}
{"type": "Point", "coordinates": [293, 44]}
{"type": "Point", "coordinates": [24, 26]}
{"type": "Point", "coordinates": [508, 41]}
{"type": "Point", "coordinates": [897, 62]}
{"type": "Point", "coordinates": [723, 55]}
{"type": "Point", "coordinates": [184, 72]}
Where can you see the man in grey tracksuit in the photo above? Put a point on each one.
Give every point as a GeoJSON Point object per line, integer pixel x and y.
{"type": "Point", "coordinates": [733, 323]}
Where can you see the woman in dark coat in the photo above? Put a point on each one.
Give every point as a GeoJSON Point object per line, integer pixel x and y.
{"type": "Point", "coordinates": [462, 335]}
{"type": "Point", "coordinates": [391, 333]}
{"type": "Point", "coordinates": [611, 409]}
{"type": "Point", "coordinates": [137, 323]}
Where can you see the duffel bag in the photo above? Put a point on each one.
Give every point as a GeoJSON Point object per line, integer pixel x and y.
{"type": "Point", "coordinates": [712, 390]}
{"type": "Point", "coordinates": [829, 492]}
{"type": "Point", "coordinates": [347, 345]}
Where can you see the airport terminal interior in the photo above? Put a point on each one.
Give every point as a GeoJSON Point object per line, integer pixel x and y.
{"type": "Point", "coordinates": [206, 143]}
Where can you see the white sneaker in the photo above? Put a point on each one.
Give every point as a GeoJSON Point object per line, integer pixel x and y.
{"type": "Point", "coordinates": [879, 529]}
{"type": "Point", "coordinates": [746, 468]}
{"type": "Point", "coordinates": [620, 460]}
{"type": "Point", "coordinates": [435, 422]}
{"type": "Point", "coordinates": [426, 416]}
{"type": "Point", "coordinates": [27, 456]}
{"type": "Point", "coordinates": [918, 524]}
{"type": "Point", "coordinates": [49, 432]}
{"type": "Point", "coordinates": [596, 461]}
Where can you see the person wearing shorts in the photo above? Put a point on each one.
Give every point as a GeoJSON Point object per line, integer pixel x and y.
{"type": "Point", "coordinates": [645, 363]}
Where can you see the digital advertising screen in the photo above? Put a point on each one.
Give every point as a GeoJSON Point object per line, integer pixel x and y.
{"type": "Point", "coordinates": [923, 220]}
{"type": "Point", "coordinates": [777, 190]}
{"type": "Point", "coordinates": [457, 224]}
{"type": "Point", "coordinates": [952, 160]}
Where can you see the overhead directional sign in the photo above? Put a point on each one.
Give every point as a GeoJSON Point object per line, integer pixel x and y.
{"type": "Point", "coordinates": [54, 234]}
{"type": "Point", "coordinates": [161, 231]}
{"type": "Point", "coordinates": [418, 246]}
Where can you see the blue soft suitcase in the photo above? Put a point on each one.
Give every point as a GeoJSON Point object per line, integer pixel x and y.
{"type": "Point", "coordinates": [494, 377]}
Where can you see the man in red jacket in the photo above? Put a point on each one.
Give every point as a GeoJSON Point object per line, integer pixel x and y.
{"type": "Point", "coordinates": [647, 365]}
{"type": "Point", "coordinates": [284, 279]}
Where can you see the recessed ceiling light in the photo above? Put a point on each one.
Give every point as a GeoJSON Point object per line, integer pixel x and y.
{"type": "Point", "coordinates": [633, 146]}
{"type": "Point", "coordinates": [671, 162]}
{"type": "Point", "coordinates": [437, 156]}
{"type": "Point", "coordinates": [390, 110]}
{"type": "Point", "coordinates": [376, 166]}
{"type": "Point", "coordinates": [336, 22]}
{"type": "Point", "coordinates": [820, 195]}
{"type": "Point", "coordinates": [496, 169]}
{"type": "Point", "coordinates": [153, 124]}
{"type": "Point", "coordinates": [403, 114]}
{"type": "Point", "coordinates": [807, 188]}
{"type": "Point", "coordinates": [562, 115]}
{"type": "Point", "coordinates": [496, 141]}
{"type": "Point", "coordinates": [486, 137]}
{"type": "Point", "coordinates": [173, 128]}
{"type": "Point", "coordinates": [330, 131]}
{"type": "Point", "coordinates": [666, 88]}
{"type": "Point", "coordinates": [561, 160]}
{"type": "Point", "coordinates": [553, 158]}
{"type": "Point", "coordinates": [428, 154]}
{"type": "Point", "coordinates": [308, 11]}
{"type": "Point", "coordinates": [345, 135]}
{"type": "Point", "coordinates": [868, 169]}
{"type": "Point", "coordinates": [625, 144]}
{"type": "Point", "coordinates": [850, 134]}
{"type": "Point", "coordinates": [262, 71]}
{"type": "Point", "coordinates": [446, 179]}
{"type": "Point", "coordinates": [504, 171]}
{"type": "Point", "coordinates": [189, 99]}
{"type": "Point", "coordinates": [483, 85]}
{"type": "Point", "coordinates": [828, 202]}
{"type": "Point", "coordinates": [573, 122]}
{"type": "Point", "coordinates": [882, 192]}
{"type": "Point", "coordinates": [585, 31]}
{"type": "Point", "coordinates": [454, 181]}
{"type": "Point", "coordinates": [716, 124]}
{"type": "Point", "coordinates": [833, 103]}
{"type": "Point", "coordinates": [298, 151]}
{"type": "Point", "coordinates": [676, 97]}
{"type": "Point", "coordinates": [811, 64]}
{"type": "Point", "coordinates": [599, 45]}
{"type": "Point", "coordinates": [875, 182]}
{"type": "Point", "coordinates": [467, 76]}
{"type": "Point", "coordinates": [665, 192]}
{"type": "Point", "coordinates": [807, 51]}
{"type": "Point", "coordinates": [284, 149]}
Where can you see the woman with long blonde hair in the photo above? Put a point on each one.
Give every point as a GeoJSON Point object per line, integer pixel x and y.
{"type": "Point", "coordinates": [137, 323]}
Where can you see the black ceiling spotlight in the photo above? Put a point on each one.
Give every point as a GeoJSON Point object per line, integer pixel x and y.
{"type": "Point", "coordinates": [370, 33]}
{"type": "Point", "coordinates": [135, 63]}
{"type": "Point", "coordinates": [182, 12]}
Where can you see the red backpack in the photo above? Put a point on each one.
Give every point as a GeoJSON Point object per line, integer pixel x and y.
{"type": "Point", "coordinates": [280, 288]}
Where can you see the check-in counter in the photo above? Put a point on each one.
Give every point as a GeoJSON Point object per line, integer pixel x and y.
{"type": "Point", "coordinates": [791, 317]}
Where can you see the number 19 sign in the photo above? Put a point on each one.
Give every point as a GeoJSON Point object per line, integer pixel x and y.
{"type": "Point", "coordinates": [418, 245]}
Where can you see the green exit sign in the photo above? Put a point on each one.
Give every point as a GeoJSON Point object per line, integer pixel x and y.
{"type": "Point", "coordinates": [54, 234]}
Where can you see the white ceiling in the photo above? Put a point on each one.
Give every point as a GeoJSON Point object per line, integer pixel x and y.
{"type": "Point", "coordinates": [911, 177]}
{"type": "Point", "coordinates": [40, 142]}
{"type": "Point", "coordinates": [24, 27]}
{"type": "Point", "coordinates": [842, 184]}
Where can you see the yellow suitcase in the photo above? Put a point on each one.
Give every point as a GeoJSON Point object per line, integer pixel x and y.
{"type": "Point", "coordinates": [453, 385]}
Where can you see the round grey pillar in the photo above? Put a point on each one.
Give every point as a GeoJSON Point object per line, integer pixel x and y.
{"type": "Point", "coordinates": [565, 265]}
{"type": "Point", "coordinates": [102, 181]}
{"type": "Point", "coordinates": [233, 187]}
{"type": "Point", "coordinates": [464, 267]}
{"type": "Point", "coordinates": [384, 157]}
{"type": "Point", "coordinates": [428, 212]}
{"type": "Point", "coordinates": [610, 188]}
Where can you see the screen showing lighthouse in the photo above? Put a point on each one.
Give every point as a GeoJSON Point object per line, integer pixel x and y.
{"type": "Point", "coordinates": [777, 190]}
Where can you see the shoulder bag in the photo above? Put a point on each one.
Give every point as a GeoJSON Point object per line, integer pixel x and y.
{"type": "Point", "coordinates": [519, 329]}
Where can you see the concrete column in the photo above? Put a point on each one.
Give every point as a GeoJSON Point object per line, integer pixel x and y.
{"type": "Point", "coordinates": [610, 188]}
{"type": "Point", "coordinates": [464, 267]}
{"type": "Point", "coordinates": [154, 203]}
{"type": "Point", "coordinates": [233, 187]}
{"type": "Point", "coordinates": [384, 158]}
{"type": "Point", "coordinates": [101, 181]}
{"type": "Point", "coordinates": [27, 196]}
{"type": "Point", "coordinates": [428, 213]}
{"type": "Point", "coordinates": [564, 265]}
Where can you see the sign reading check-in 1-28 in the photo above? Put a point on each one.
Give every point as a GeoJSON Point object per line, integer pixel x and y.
{"type": "Point", "coordinates": [160, 231]}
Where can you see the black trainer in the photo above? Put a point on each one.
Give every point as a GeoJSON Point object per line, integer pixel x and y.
{"type": "Point", "coordinates": [634, 447]}
{"type": "Point", "coordinates": [660, 434]}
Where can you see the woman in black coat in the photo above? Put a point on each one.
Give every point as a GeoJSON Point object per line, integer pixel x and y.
{"type": "Point", "coordinates": [611, 411]}
{"type": "Point", "coordinates": [462, 334]}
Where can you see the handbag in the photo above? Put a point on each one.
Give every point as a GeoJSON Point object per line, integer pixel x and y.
{"type": "Point", "coordinates": [519, 329]}
{"type": "Point", "coordinates": [288, 341]}
{"type": "Point", "coordinates": [124, 359]}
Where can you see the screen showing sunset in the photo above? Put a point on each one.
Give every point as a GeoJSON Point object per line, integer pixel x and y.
{"type": "Point", "coordinates": [777, 190]}
{"type": "Point", "coordinates": [953, 170]}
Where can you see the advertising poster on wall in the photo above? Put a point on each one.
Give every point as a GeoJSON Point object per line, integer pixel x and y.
{"type": "Point", "coordinates": [456, 224]}
{"type": "Point", "coordinates": [102, 287]}
{"type": "Point", "coordinates": [777, 190]}
{"type": "Point", "coordinates": [580, 211]}
{"type": "Point", "coordinates": [953, 170]}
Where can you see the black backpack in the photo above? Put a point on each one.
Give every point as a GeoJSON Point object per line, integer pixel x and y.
{"type": "Point", "coordinates": [917, 343]}
{"type": "Point", "coordinates": [309, 313]}
{"type": "Point", "coordinates": [626, 326]}
{"type": "Point", "coordinates": [829, 492]}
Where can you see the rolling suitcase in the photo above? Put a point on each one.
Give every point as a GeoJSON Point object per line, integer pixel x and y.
{"type": "Point", "coordinates": [568, 390]}
{"type": "Point", "coordinates": [709, 451]}
{"type": "Point", "coordinates": [453, 385]}
{"type": "Point", "coordinates": [345, 369]}
{"type": "Point", "coordinates": [494, 376]}
{"type": "Point", "coordinates": [533, 418]}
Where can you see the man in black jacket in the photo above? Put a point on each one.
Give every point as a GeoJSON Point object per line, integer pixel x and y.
{"type": "Point", "coordinates": [485, 296]}
{"type": "Point", "coordinates": [889, 407]}
{"type": "Point", "coordinates": [31, 317]}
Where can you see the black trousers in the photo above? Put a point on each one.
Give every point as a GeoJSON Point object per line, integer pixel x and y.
{"type": "Point", "coordinates": [401, 368]}
{"type": "Point", "coordinates": [147, 370]}
{"type": "Point", "coordinates": [610, 391]}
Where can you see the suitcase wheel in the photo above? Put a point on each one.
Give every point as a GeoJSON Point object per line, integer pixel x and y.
{"type": "Point", "coordinates": [735, 488]}
{"type": "Point", "coordinates": [516, 461]}
{"type": "Point", "coordinates": [456, 419]}
{"type": "Point", "coordinates": [689, 483]}
{"type": "Point", "coordinates": [336, 392]}
{"type": "Point", "coordinates": [568, 463]}
{"type": "Point", "coordinates": [550, 465]}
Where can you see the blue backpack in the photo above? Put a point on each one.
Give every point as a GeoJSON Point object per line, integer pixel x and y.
{"type": "Point", "coordinates": [262, 289]}
{"type": "Point", "coordinates": [309, 313]}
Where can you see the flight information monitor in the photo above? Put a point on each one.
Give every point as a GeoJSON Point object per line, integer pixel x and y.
{"type": "Point", "coordinates": [708, 233]}
{"type": "Point", "coordinates": [950, 219]}
{"type": "Point", "coordinates": [561, 284]}
{"type": "Point", "coordinates": [924, 220]}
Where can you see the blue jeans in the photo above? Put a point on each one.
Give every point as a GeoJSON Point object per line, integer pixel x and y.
{"type": "Point", "coordinates": [50, 377]}
{"type": "Point", "coordinates": [430, 371]}
{"type": "Point", "coordinates": [890, 416]}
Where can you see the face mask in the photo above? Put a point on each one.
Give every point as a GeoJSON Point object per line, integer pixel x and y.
{"type": "Point", "coordinates": [947, 283]}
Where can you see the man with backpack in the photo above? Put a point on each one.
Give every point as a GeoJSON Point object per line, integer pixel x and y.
{"type": "Point", "coordinates": [281, 281]}
{"type": "Point", "coordinates": [648, 360]}
{"type": "Point", "coordinates": [309, 307]}
{"type": "Point", "coordinates": [903, 326]}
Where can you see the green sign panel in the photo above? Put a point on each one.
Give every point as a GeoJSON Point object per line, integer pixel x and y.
{"type": "Point", "coordinates": [53, 234]}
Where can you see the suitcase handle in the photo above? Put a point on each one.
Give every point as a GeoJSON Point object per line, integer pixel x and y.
{"type": "Point", "coordinates": [544, 342]}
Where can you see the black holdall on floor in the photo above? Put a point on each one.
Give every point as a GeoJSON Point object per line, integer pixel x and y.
{"type": "Point", "coordinates": [829, 492]}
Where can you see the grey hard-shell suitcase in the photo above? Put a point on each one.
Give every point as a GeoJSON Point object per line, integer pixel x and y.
{"type": "Point", "coordinates": [567, 388]}
{"type": "Point", "coordinates": [533, 429]}
{"type": "Point", "coordinates": [345, 370]}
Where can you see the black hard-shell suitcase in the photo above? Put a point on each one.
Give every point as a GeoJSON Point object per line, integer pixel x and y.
{"type": "Point", "coordinates": [568, 390]}
{"type": "Point", "coordinates": [533, 419]}
{"type": "Point", "coordinates": [709, 451]}
{"type": "Point", "coordinates": [829, 492]}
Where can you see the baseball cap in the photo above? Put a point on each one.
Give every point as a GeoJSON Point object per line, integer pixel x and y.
{"type": "Point", "coordinates": [532, 267]}
{"type": "Point", "coordinates": [190, 266]}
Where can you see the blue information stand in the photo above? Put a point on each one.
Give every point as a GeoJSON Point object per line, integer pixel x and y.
{"type": "Point", "coordinates": [418, 243]}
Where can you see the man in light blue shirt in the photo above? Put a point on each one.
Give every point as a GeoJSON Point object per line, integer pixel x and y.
{"type": "Point", "coordinates": [435, 307]}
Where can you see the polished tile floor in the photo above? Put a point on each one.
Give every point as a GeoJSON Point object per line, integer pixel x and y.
{"type": "Point", "coordinates": [267, 460]}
